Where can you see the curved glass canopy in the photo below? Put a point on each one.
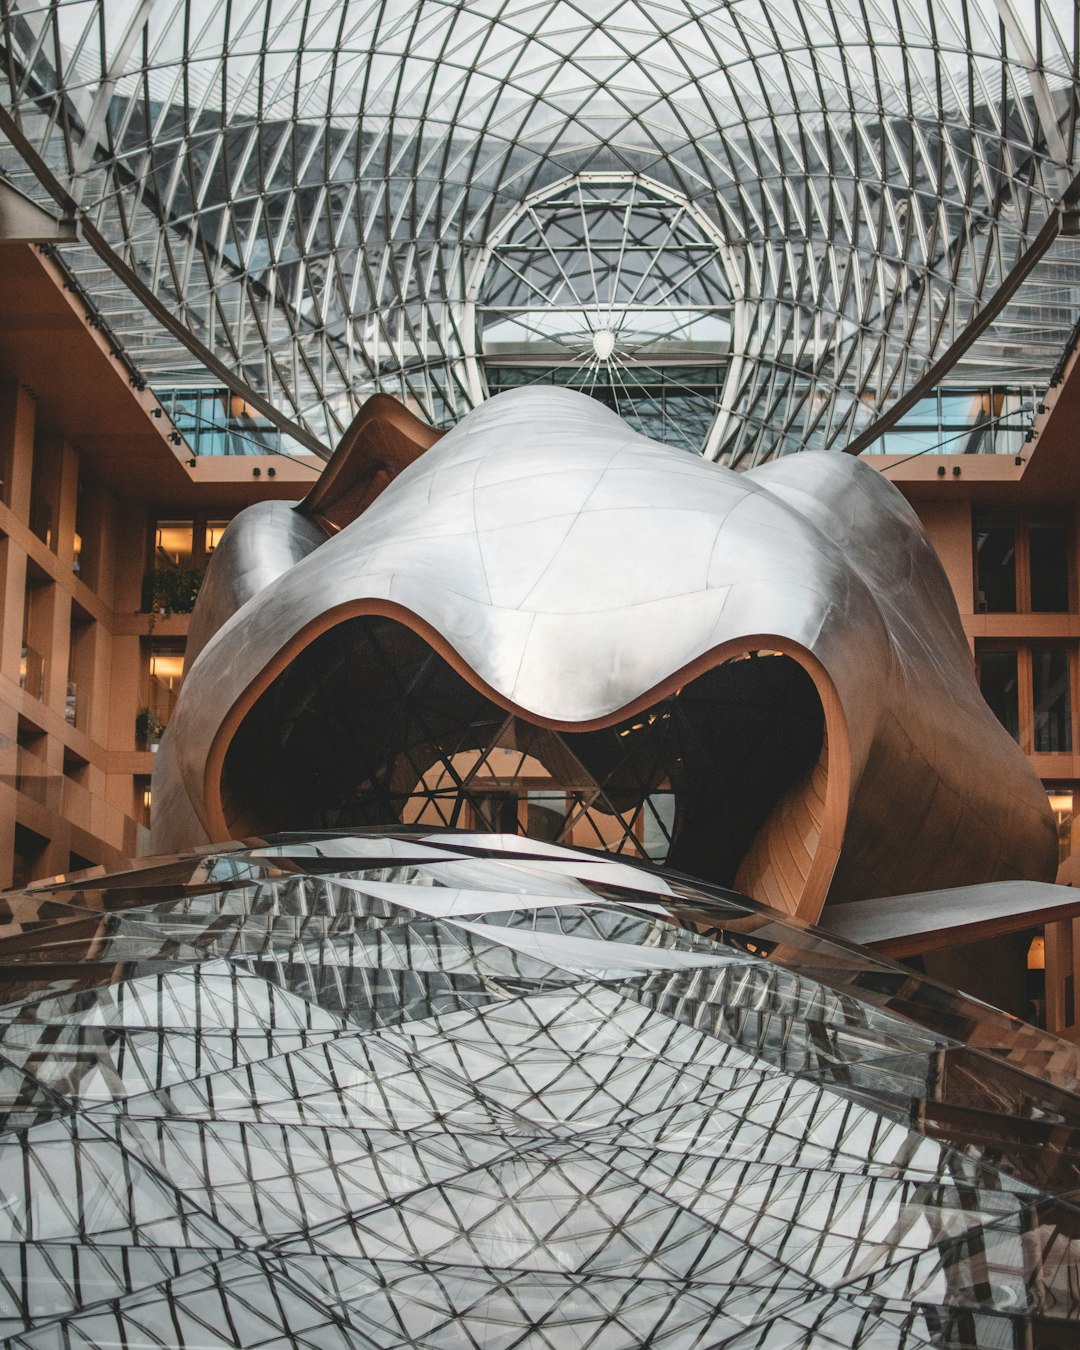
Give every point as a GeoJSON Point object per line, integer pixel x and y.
{"type": "Point", "coordinates": [318, 199]}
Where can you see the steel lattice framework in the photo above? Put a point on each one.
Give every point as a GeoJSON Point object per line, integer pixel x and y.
{"type": "Point", "coordinates": [318, 199]}
{"type": "Point", "coordinates": [411, 1090]}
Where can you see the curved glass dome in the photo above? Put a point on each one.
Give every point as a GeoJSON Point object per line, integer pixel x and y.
{"type": "Point", "coordinates": [322, 199]}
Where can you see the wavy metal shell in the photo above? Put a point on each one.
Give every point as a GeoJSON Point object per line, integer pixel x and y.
{"type": "Point", "coordinates": [575, 572]}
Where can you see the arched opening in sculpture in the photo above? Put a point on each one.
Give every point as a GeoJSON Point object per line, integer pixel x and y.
{"type": "Point", "coordinates": [369, 725]}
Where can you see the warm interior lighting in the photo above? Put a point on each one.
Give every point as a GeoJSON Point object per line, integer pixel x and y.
{"type": "Point", "coordinates": [173, 541]}
{"type": "Point", "coordinates": [1036, 957]}
{"type": "Point", "coordinates": [214, 530]}
{"type": "Point", "coordinates": [147, 797]}
{"type": "Point", "coordinates": [1060, 802]}
{"type": "Point", "coordinates": [167, 667]}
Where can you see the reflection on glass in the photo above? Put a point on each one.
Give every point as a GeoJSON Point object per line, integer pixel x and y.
{"type": "Point", "coordinates": [1050, 695]}
{"type": "Point", "coordinates": [409, 1089]}
{"type": "Point", "coordinates": [496, 811]}
{"type": "Point", "coordinates": [546, 815]}
{"type": "Point", "coordinates": [658, 824]}
{"type": "Point", "coordinates": [1048, 549]}
{"type": "Point", "coordinates": [995, 565]}
{"type": "Point", "coordinates": [1061, 803]}
{"type": "Point", "coordinates": [997, 680]}
{"type": "Point", "coordinates": [987, 421]}
{"type": "Point", "coordinates": [673, 404]}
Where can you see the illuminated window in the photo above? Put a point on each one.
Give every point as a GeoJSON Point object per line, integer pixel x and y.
{"type": "Point", "coordinates": [1063, 801]}
{"type": "Point", "coordinates": [174, 543]}
{"type": "Point", "coordinates": [214, 530]}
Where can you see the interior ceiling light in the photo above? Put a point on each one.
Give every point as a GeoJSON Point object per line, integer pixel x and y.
{"type": "Point", "coordinates": [603, 343]}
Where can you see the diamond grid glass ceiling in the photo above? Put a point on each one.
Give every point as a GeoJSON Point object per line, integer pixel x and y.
{"type": "Point", "coordinates": [415, 1089]}
{"type": "Point", "coordinates": [321, 198]}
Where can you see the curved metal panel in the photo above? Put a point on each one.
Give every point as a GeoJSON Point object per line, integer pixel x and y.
{"type": "Point", "coordinates": [573, 569]}
{"type": "Point", "coordinates": [264, 541]}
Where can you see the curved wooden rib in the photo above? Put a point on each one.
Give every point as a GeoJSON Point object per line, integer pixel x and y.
{"type": "Point", "coordinates": [781, 866]}
{"type": "Point", "coordinates": [383, 438]}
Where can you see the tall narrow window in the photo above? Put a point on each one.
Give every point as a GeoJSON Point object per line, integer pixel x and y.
{"type": "Point", "coordinates": [1048, 550]}
{"type": "Point", "coordinates": [999, 685]}
{"type": "Point", "coordinates": [995, 564]}
{"type": "Point", "coordinates": [1050, 697]}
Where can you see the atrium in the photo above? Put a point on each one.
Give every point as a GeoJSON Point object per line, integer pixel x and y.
{"type": "Point", "coordinates": [581, 975]}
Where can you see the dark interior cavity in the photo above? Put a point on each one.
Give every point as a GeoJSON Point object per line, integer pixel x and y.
{"type": "Point", "coordinates": [370, 726]}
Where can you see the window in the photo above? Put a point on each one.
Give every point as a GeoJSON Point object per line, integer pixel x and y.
{"type": "Point", "coordinates": [28, 861]}
{"type": "Point", "coordinates": [1029, 690]}
{"type": "Point", "coordinates": [217, 422]}
{"type": "Point", "coordinates": [36, 631]}
{"type": "Point", "coordinates": [174, 543]}
{"type": "Point", "coordinates": [214, 530]}
{"type": "Point", "coordinates": [1021, 564]}
{"type": "Point", "coordinates": [81, 662]}
{"type": "Point", "coordinates": [995, 565]}
{"type": "Point", "coordinates": [546, 814]}
{"type": "Point", "coordinates": [998, 682]}
{"type": "Point", "coordinates": [986, 421]}
{"type": "Point", "coordinates": [84, 560]}
{"type": "Point", "coordinates": [180, 545]}
{"type": "Point", "coordinates": [44, 489]}
{"type": "Point", "coordinates": [165, 673]}
{"type": "Point", "coordinates": [1063, 802]}
{"type": "Point", "coordinates": [1050, 695]}
{"type": "Point", "coordinates": [1048, 555]}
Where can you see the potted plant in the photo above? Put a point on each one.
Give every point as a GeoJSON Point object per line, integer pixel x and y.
{"type": "Point", "coordinates": [169, 590]}
{"type": "Point", "coordinates": [148, 729]}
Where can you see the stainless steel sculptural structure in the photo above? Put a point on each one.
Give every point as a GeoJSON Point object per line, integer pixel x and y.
{"type": "Point", "coordinates": [543, 578]}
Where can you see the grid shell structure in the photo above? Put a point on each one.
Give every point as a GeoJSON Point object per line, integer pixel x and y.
{"type": "Point", "coordinates": [429, 1090]}
{"type": "Point", "coordinates": [748, 225]}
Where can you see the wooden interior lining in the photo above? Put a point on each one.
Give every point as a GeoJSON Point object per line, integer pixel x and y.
{"type": "Point", "coordinates": [383, 438]}
{"type": "Point", "coordinates": [776, 868]}
{"type": "Point", "coordinates": [771, 870]}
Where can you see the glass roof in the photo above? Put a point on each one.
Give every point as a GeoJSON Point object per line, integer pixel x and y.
{"type": "Point", "coordinates": [430, 1090]}
{"type": "Point", "coordinates": [321, 198]}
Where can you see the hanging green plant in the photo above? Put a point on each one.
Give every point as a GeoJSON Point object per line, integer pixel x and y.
{"type": "Point", "coordinates": [148, 727]}
{"type": "Point", "coordinates": [169, 590]}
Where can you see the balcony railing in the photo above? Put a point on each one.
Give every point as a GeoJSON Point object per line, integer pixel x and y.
{"type": "Point", "coordinates": [100, 818]}
{"type": "Point", "coordinates": [65, 798]}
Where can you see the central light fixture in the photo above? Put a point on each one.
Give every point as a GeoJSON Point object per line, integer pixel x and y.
{"type": "Point", "coordinates": [603, 343]}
